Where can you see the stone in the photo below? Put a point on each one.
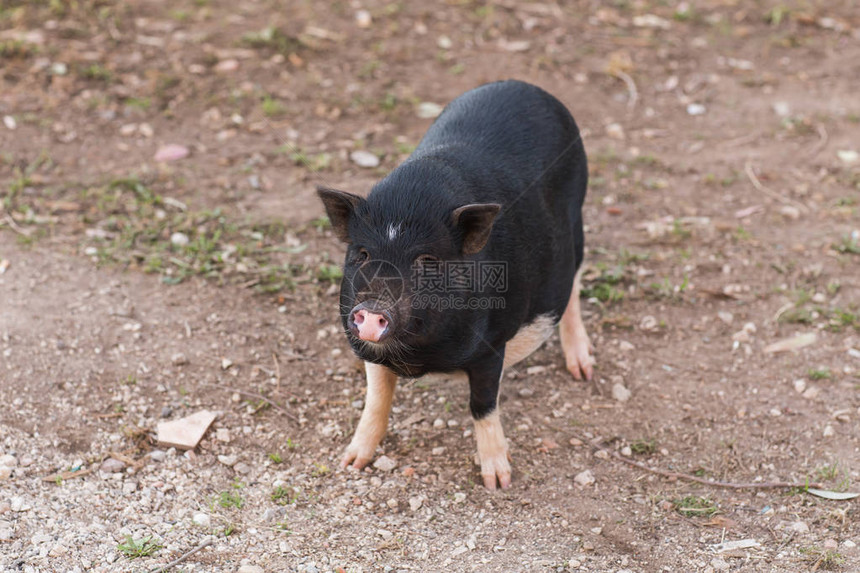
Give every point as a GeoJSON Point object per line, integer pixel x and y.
{"type": "Point", "coordinates": [584, 478]}
{"type": "Point", "coordinates": [385, 464]}
{"type": "Point", "coordinates": [620, 392]}
{"type": "Point", "coordinates": [179, 239]}
{"type": "Point", "coordinates": [429, 110]}
{"type": "Point", "coordinates": [228, 461]}
{"type": "Point", "coordinates": [8, 461]}
{"type": "Point", "coordinates": [112, 466]}
{"type": "Point", "coordinates": [615, 131]}
{"type": "Point", "coordinates": [187, 432]}
{"type": "Point", "coordinates": [171, 152]}
{"type": "Point", "coordinates": [415, 503]}
{"type": "Point", "coordinates": [251, 569]}
{"type": "Point", "coordinates": [363, 19]}
{"type": "Point", "coordinates": [364, 158]}
{"type": "Point", "coordinates": [179, 359]}
{"type": "Point", "coordinates": [799, 527]}
{"type": "Point", "coordinates": [201, 519]}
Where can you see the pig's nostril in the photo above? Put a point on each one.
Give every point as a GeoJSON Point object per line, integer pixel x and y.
{"type": "Point", "coordinates": [358, 317]}
{"type": "Point", "coordinates": [382, 322]}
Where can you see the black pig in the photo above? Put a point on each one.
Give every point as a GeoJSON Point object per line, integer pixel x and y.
{"type": "Point", "coordinates": [465, 257]}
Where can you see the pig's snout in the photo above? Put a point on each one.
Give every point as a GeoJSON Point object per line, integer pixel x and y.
{"type": "Point", "coordinates": [368, 325]}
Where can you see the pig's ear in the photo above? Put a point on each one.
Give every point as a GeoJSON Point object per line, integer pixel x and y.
{"type": "Point", "coordinates": [340, 207]}
{"type": "Point", "coordinates": [475, 223]}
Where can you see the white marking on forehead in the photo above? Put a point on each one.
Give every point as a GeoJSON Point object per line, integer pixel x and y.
{"type": "Point", "coordinates": [393, 230]}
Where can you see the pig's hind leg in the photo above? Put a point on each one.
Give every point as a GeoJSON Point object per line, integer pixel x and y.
{"type": "Point", "coordinates": [374, 418]}
{"type": "Point", "coordinates": [575, 344]}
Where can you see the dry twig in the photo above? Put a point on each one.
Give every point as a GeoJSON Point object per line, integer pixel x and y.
{"type": "Point", "coordinates": [14, 226]}
{"type": "Point", "coordinates": [256, 396]}
{"type": "Point", "coordinates": [633, 93]}
{"type": "Point", "coordinates": [748, 168]}
{"type": "Point", "coordinates": [277, 370]}
{"type": "Point", "coordinates": [822, 141]}
{"type": "Point", "coordinates": [687, 477]}
{"type": "Point", "coordinates": [206, 543]}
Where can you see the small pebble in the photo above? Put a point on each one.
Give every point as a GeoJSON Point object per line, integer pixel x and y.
{"type": "Point", "coordinates": [615, 131]}
{"type": "Point", "coordinates": [179, 239]}
{"type": "Point", "coordinates": [364, 158]}
{"type": "Point", "coordinates": [384, 463]}
{"type": "Point", "coordinates": [112, 466]}
{"type": "Point", "coordinates": [584, 478]}
{"type": "Point", "coordinates": [202, 519]}
{"type": "Point", "coordinates": [848, 156]}
{"type": "Point", "coordinates": [363, 19]}
{"type": "Point", "coordinates": [228, 460]}
{"type": "Point", "coordinates": [799, 527]}
{"type": "Point", "coordinates": [429, 110]}
{"type": "Point", "coordinates": [620, 392]}
{"type": "Point", "coordinates": [171, 152]}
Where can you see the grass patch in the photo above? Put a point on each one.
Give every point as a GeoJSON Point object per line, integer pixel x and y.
{"type": "Point", "coordinates": [273, 107]}
{"type": "Point", "coordinates": [285, 495]}
{"type": "Point", "coordinates": [797, 316]}
{"type": "Point", "coordinates": [17, 49]}
{"type": "Point", "coordinates": [827, 472]}
{"type": "Point", "coordinates": [313, 161]}
{"type": "Point", "coordinates": [604, 287]}
{"type": "Point", "coordinates": [228, 499]}
{"type": "Point", "coordinates": [695, 505]}
{"type": "Point", "coordinates": [129, 224]}
{"type": "Point", "coordinates": [272, 39]}
{"type": "Point", "coordinates": [643, 446]}
{"type": "Point", "coordinates": [849, 244]}
{"type": "Point", "coordinates": [820, 374]}
{"type": "Point", "coordinates": [96, 72]}
{"type": "Point", "coordinates": [825, 559]}
{"type": "Point", "coordinates": [134, 548]}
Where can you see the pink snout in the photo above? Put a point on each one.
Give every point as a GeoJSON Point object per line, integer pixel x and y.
{"type": "Point", "coordinates": [369, 326]}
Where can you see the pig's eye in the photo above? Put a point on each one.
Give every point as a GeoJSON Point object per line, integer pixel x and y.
{"type": "Point", "coordinates": [426, 260]}
{"type": "Point", "coordinates": [362, 255]}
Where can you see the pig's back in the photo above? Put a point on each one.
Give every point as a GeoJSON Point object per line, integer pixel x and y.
{"type": "Point", "coordinates": [517, 145]}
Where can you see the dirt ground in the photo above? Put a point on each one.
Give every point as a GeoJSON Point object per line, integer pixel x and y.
{"type": "Point", "coordinates": [722, 218]}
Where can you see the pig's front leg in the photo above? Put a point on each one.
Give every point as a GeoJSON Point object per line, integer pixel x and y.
{"type": "Point", "coordinates": [484, 381]}
{"type": "Point", "coordinates": [374, 418]}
